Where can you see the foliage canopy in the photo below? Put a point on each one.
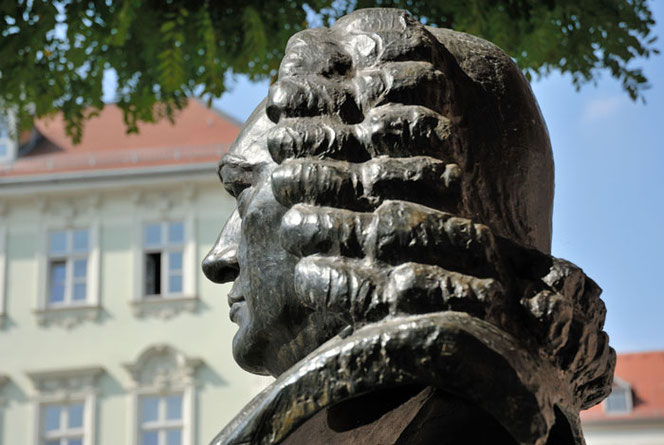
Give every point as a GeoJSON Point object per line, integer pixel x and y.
{"type": "Point", "coordinates": [53, 54]}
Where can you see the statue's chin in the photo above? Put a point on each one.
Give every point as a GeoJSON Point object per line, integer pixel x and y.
{"type": "Point", "coordinates": [246, 350]}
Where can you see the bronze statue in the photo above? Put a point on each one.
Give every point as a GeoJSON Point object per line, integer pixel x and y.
{"type": "Point", "coordinates": [390, 250]}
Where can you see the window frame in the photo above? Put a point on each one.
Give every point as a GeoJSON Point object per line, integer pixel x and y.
{"type": "Point", "coordinates": [69, 257]}
{"type": "Point", "coordinates": [177, 375]}
{"type": "Point", "coordinates": [65, 387]}
{"type": "Point", "coordinates": [164, 248]}
{"type": "Point", "coordinates": [164, 305]}
{"type": "Point", "coordinates": [68, 432]}
{"type": "Point", "coordinates": [162, 425]}
{"type": "Point", "coordinates": [60, 218]}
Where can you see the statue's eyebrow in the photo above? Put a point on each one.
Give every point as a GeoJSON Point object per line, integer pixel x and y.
{"type": "Point", "coordinates": [236, 163]}
{"type": "Point", "coordinates": [233, 160]}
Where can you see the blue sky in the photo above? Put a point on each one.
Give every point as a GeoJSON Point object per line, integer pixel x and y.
{"type": "Point", "coordinates": [609, 209]}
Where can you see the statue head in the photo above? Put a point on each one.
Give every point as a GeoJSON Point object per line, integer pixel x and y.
{"type": "Point", "coordinates": [376, 84]}
{"type": "Point", "coordinates": [397, 169]}
{"type": "Point", "coordinates": [374, 88]}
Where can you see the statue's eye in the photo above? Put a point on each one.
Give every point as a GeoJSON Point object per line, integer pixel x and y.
{"type": "Point", "coordinates": [237, 188]}
{"type": "Point", "coordinates": [237, 183]}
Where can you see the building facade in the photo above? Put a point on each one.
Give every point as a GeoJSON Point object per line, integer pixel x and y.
{"type": "Point", "coordinates": [109, 332]}
{"type": "Point", "coordinates": [634, 412]}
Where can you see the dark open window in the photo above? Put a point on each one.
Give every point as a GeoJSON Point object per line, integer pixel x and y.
{"type": "Point", "coordinates": [153, 273]}
{"type": "Point", "coordinates": [163, 251]}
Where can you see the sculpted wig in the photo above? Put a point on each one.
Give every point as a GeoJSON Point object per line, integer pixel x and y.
{"type": "Point", "coordinates": [383, 84]}
{"type": "Point", "coordinates": [378, 83]}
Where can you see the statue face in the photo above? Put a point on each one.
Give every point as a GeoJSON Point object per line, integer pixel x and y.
{"type": "Point", "coordinates": [275, 331]}
{"type": "Point", "coordinates": [245, 252]}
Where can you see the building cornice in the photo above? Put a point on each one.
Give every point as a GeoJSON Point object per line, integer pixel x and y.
{"type": "Point", "coordinates": [105, 179]}
{"type": "Point", "coordinates": [625, 422]}
{"type": "Point", "coordinates": [50, 374]}
{"type": "Point", "coordinates": [64, 384]}
{"type": "Point", "coordinates": [93, 174]}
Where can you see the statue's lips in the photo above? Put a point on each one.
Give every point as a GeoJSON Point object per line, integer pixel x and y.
{"type": "Point", "coordinates": [235, 302]}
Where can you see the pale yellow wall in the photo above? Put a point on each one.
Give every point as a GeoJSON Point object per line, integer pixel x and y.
{"type": "Point", "coordinates": [119, 336]}
{"type": "Point", "coordinates": [636, 433]}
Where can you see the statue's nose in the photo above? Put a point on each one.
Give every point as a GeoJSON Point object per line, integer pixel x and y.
{"type": "Point", "coordinates": [220, 265]}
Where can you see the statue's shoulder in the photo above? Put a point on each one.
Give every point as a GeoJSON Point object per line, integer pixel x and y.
{"type": "Point", "coordinates": [416, 368]}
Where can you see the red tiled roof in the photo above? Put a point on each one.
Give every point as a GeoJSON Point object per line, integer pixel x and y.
{"type": "Point", "coordinates": [644, 371]}
{"type": "Point", "coordinates": [198, 135]}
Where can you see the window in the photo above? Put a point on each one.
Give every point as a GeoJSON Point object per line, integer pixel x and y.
{"type": "Point", "coordinates": [67, 267]}
{"type": "Point", "coordinates": [62, 424]}
{"type": "Point", "coordinates": [620, 399]}
{"type": "Point", "coordinates": [64, 404]}
{"type": "Point", "coordinates": [161, 420]}
{"type": "Point", "coordinates": [163, 245]}
{"type": "Point", "coordinates": [161, 398]}
{"type": "Point", "coordinates": [164, 260]}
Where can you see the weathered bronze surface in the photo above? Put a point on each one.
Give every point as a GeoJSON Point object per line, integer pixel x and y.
{"type": "Point", "coordinates": [390, 250]}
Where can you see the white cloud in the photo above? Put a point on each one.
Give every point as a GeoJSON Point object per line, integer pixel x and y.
{"type": "Point", "coordinates": [597, 109]}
